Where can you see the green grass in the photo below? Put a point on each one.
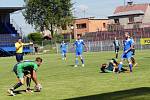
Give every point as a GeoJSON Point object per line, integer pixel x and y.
{"type": "Point", "coordinates": [60, 80]}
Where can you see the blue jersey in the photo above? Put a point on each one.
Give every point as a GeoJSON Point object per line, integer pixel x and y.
{"type": "Point", "coordinates": [127, 44]}
{"type": "Point", "coordinates": [79, 45]}
{"type": "Point", "coordinates": [63, 46]}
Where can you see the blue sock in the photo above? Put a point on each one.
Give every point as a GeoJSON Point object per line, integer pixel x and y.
{"type": "Point", "coordinates": [119, 67]}
{"type": "Point", "coordinates": [130, 65]}
{"type": "Point", "coordinates": [82, 61]}
{"type": "Point", "coordinates": [76, 61]}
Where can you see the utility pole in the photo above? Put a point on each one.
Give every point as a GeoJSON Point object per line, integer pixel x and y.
{"type": "Point", "coordinates": [124, 2]}
{"type": "Point", "coordinates": [84, 11]}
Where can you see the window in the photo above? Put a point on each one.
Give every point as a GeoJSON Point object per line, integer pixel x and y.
{"type": "Point", "coordinates": [131, 19]}
{"type": "Point", "coordinates": [81, 26]}
{"type": "Point", "coordinates": [104, 25]}
{"type": "Point", "coordinates": [116, 21]}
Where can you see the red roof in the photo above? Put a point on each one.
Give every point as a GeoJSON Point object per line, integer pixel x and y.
{"type": "Point", "coordinates": [142, 7]}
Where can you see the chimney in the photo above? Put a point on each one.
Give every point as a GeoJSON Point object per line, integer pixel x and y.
{"type": "Point", "coordinates": [130, 3]}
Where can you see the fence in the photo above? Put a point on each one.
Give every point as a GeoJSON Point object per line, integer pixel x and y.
{"type": "Point", "coordinates": [93, 46]}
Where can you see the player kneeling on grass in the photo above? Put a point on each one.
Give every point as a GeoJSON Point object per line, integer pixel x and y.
{"type": "Point", "coordinates": [21, 68]}
{"type": "Point", "coordinates": [112, 66]}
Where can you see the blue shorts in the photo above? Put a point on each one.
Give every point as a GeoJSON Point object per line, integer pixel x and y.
{"type": "Point", "coordinates": [127, 55]}
{"type": "Point", "coordinates": [19, 57]}
{"type": "Point", "coordinates": [63, 51]}
{"type": "Point", "coordinates": [78, 53]}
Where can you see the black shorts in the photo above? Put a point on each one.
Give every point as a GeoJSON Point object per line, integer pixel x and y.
{"type": "Point", "coordinates": [19, 57]}
{"type": "Point", "coordinates": [116, 49]}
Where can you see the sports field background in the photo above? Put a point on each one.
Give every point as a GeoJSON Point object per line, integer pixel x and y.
{"type": "Point", "coordinates": [60, 80]}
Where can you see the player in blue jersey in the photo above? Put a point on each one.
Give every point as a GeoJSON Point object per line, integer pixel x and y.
{"type": "Point", "coordinates": [63, 48]}
{"type": "Point", "coordinates": [79, 46]}
{"type": "Point", "coordinates": [127, 53]}
{"type": "Point", "coordinates": [116, 45]}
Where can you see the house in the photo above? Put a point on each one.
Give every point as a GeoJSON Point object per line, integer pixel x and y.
{"type": "Point", "coordinates": [83, 26]}
{"type": "Point", "coordinates": [130, 16]}
{"type": "Point", "coordinates": [86, 25]}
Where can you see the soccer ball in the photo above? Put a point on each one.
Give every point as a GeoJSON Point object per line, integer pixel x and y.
{"type": "Point", "coordinates": [38, 88]}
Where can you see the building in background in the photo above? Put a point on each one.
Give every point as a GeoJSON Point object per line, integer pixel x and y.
{"type": "Point", "coordinates": [83, 26]}
{"type": "Point", "coordinates": [86, 25]}
{"type": "Point", "coordinates": [130, 16]}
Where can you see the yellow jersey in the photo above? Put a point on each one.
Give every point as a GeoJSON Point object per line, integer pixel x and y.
{"type": "Point", "coordinates": [19, 47]}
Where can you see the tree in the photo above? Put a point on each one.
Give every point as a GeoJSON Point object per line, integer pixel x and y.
{"type": "Point", "coordinates": [48, 13]}
{"type": "Point", "coordinates": [35, 37]}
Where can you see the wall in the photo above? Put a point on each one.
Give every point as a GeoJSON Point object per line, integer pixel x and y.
{"type": "Point", "coordinates": [97, 25]}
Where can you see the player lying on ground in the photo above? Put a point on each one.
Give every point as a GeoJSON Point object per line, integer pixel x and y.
{"type": "Point", "coordinates": [19, 71]}
{"type": "Point", "coordinates": [112, 66]}
{"type": "Point", "coordinates": [127, 53]}
{"type": "Point", "coordinates": [63, 48]}
{"type": "Point", "coordinates": [79, 44]}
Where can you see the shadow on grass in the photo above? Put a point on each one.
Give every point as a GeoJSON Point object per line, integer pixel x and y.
{"type": "Point", "coordinates": [17, 92]}
{"type": "Point", "coordinates": [118, 95]}
{"type": "Point", "coordinates": [71, 65]}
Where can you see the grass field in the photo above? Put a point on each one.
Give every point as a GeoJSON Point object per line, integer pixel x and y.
{"type": "Point", "coordinates": [60, 80]}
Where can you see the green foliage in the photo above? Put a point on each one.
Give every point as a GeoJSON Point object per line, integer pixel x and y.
{"type": "Point", "coordinates": [48, 13]}
{"type": "Point", "coordinates": [36, 37]}
{"type": "Point", "coordinates": [57, 38]}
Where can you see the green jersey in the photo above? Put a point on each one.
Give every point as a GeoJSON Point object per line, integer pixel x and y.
{"type": "Point", "coordinates": [21, 67]}
{"type": "Point", "coordinates": [27, 65]}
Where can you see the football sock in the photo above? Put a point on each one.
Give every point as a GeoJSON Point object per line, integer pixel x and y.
{"type": "Point", "coordinates": [130, 65]}
{"type": "Point", "coordinates": [116, 55]}
{"type": "Point", "coordinates": [82, 61]}
{"type": "Point", "coordinates": [28, 82]}
{"type": "Point", "coordinates": [17, 85]}
{"type": "Point", "coordinates": [76, 61]}
{"type": "Point", "coordinates": [120, 66]}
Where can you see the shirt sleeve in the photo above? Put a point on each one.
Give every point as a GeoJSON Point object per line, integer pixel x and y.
{"type": "Point", "coordinates": [83, 42]}
{"type": "Point", "coordinates": [35, 67]}
{"type": "Point", "coordinates": [132, 42]}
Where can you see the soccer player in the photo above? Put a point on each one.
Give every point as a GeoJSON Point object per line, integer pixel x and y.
{"type": "Point", "coordinates": [21, 68]}
{"type": "Point", "coordinates": [127, 53]}
{"type": "Point", "coordinates": [79, 44]}
{"type": "Point", "coordinates": [116, 45]}
{"type": "Point", "coordinates": [63, 48]}
{"type": "Point", "coordinates": [19, 49]}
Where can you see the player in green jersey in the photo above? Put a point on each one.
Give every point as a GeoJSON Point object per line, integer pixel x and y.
{"type": "Point", "coordinates": [20, 70]}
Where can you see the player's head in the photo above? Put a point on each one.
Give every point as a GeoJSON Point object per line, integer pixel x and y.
{"type": "Point", "coordinates": [63, 41]}
{"type": "Point", "coordinates": [115, 38]}
{"type": "Point", "coordinates": [127, 35]}
{"type": "Point", "coordinates": [78, 36]}
{"type": "Point", "coordinates": [38, 61]}
{"type": "Point", "coordinates": [19, 40]}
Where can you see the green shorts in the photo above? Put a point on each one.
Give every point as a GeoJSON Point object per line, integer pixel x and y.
{"type": "Point", "coordinates": [19, 72]}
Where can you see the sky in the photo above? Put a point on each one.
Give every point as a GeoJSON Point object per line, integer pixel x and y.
{"type": "Point", "coordinates": [82, 8]}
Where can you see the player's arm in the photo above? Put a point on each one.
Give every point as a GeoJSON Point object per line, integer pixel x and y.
{"type": "Point", "coordinates": [27, 43]}
{"type": "Point", "coordinates": [86, 48]}
{"type": "Point", "coordinates": [34, 77]}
